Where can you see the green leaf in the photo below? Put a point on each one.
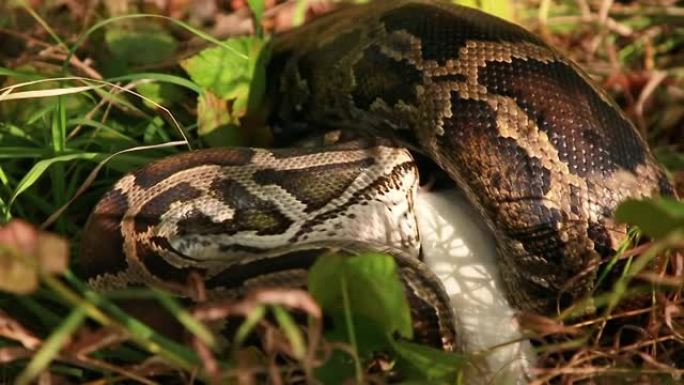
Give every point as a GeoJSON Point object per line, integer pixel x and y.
{"type": "Point", "coordinates": [197, 328]}
{"type": "Point", "coordinates": [21, 152]}
{"type": "Point", "coordinates": [423, 362]}
{"type": "Point", "coordinates": [500, 8]}
{"type": "Point", "coordinates": [159, 77]}
{"type": "Point", "coordinates": [379, 292]}
{"type": "Point", "coordinates": [655, 217]}
{"type": "Point", "coordinates": [253, 318]}
{"type": "Point", "coordinates": [257, 7]}
{"type": "Point", "coordinates": [299, 14]}
{"type": "Point", "coordinates": [374, 289]}
{"type": "Point", "coordinates": [215, 124]}
{"type": "Point", "coordinates": [39, 168]}
{"type": "Point", "coordinates": [147, 44]}
{"type": "Point", "coordinates": [338, 369]}
{"type": "Point", "coordinates": [291, 331]}
{"type": "Point", "coordinates": [229, 72]}
{"type": "Point", "coordinates": [13, 72]}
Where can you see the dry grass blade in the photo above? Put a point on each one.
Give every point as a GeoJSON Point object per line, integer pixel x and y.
{"type": "Point", "coordinates": [277, 341]}
{"type": "Point", "coordinates": [14, 330]}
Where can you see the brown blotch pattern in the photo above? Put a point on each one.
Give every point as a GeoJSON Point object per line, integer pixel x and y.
{"type": "Point", "coordinates": [151, 211]}
{"type": "Point", "coordinates": [443, 32]}
{"type": "Point", "coordinates": [397, 83]}
{"type": "Point", "coordinates": [575, 118]}
{"type": "Point", "coordinates": [158, 171]}
{"type": "Point", "coordinates": [148, 254]}
{"type": "Point", "coordinates": [102, 243]}
{"type": "Point", "coordinates": [315, 186]}
{"type": "Point", "coordinates": [541, 152]}
{"type": "Point", "coordinates": [251, 213]}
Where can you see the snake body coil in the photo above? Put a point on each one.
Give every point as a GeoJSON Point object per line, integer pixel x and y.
{"type": "Point", "coordinates": [542, 153]}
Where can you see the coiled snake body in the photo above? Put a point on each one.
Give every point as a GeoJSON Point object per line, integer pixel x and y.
{"type": "Point", "coordinates": [541, 152]}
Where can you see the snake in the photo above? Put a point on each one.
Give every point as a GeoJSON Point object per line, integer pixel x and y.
{"type": "Point", "coordinates": [542, 153]}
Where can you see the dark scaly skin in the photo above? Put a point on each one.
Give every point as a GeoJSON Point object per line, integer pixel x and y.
{"type": "Point", "coordinates": [127, 241]}
{"type": "Point", "coordinates": [543, 153]}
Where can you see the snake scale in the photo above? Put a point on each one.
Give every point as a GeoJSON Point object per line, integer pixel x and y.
{"type": "Point", "coordinates": [542, 153]}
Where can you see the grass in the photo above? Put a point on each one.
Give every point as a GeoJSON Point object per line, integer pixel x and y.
{"type": "Point", "coordinates": [70, 126]}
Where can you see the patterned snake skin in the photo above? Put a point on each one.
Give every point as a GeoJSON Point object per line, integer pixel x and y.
{"type": "Point", "coordinates": [541, 152]}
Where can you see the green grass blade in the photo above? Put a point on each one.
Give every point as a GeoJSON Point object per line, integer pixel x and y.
{"type": "Point", "coordinates": [43, 23]}
{"type": "Point", "coordinates": [140, 333]}
{"type": "Point", "coordinates": [166, 78]}
{"type": "Point", "coordinates": [185, 318]}
{"type": "Point", "coordinates": [4, 71]}
{"type": "Point", "coordinates": [51, 347]}
{"type": "Point", "coordinates": [39, 168]}
{"type": "Point", "coordinates": [292, 332]}
{"type": "Point", "coordinates": [19, 152]}
{"type": "Point", "coordinates": [253, 318]}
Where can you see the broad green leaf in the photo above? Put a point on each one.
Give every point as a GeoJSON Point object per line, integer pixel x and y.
{"type": "Point", "coordinates": [377, 275]}
{"type": "Point", "coordinates": [467, 3]}
{"type": "Point", "coordinates": [500, 8]}
{"type": "Point", "coordinates": [299, 14]}
{"type": "Point", "coordinates": [324, 281]}
{"type": "Point", "coordinates": [230, 72]}
{"type": "Point", "coordinates": [374, 289]}
{"type": "Point", "coordinates": [215, 124]}
{"type": "Point", "coordinates": [146, 44]}
{"type": "Point", "coordinates": [370, 336]}
{"type": "Point", "coordinates": [655, 217]}
{"type": "Point", "coordinates": [257, 7]}
{"type": "Point", "coordinates": [39, 168]}
{"type": "Point", "coordinates": [424, 362]}
{"type": "Point", "coordinates": [336, 370]}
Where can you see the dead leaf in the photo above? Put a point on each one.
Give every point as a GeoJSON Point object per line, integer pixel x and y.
{"type": "Point", "coordinates": [26, 253]}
